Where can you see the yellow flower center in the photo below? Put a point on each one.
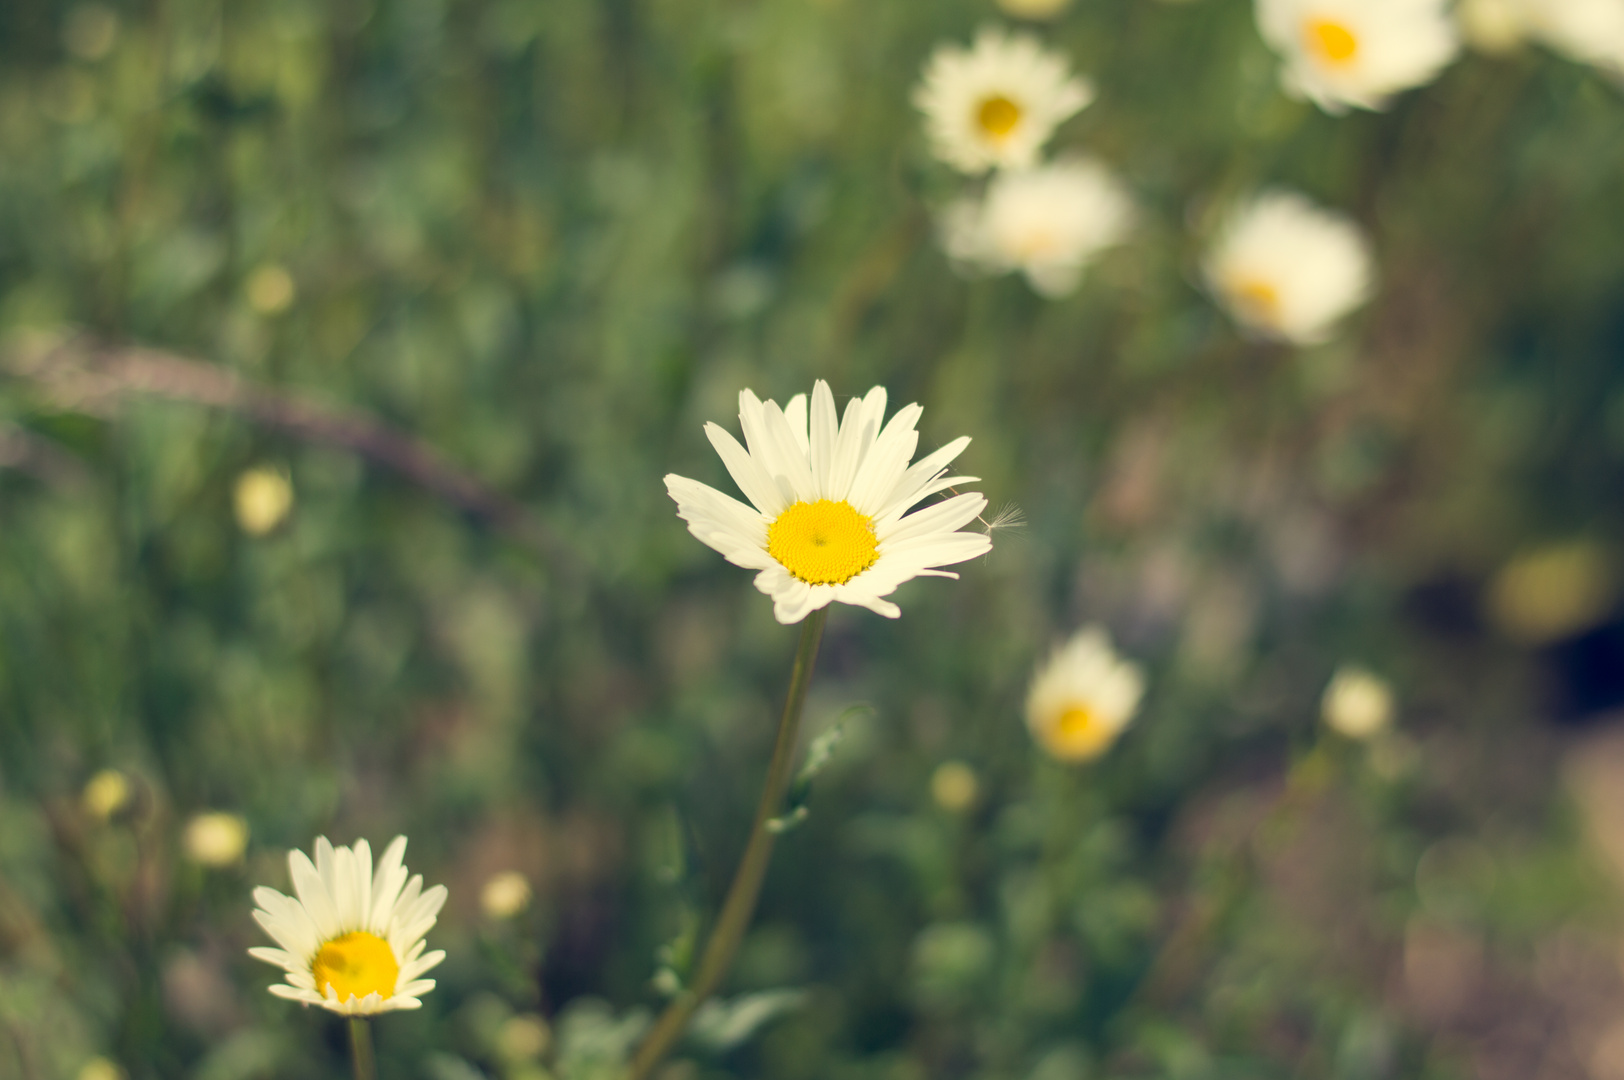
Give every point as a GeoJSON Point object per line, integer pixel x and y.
{"type": "Point", "coordinates": [1331, 41]}
{"type": "Point", "coordinates": [356, 964]}
{"type": "Point", "coordinates": [823, 542]}
{"type": "Point", "coordinates": [1257, 300]}
{"type": "Point", "coordinates": [1080, 734]}
{"type": "Point", "coordinates": [998, 116]}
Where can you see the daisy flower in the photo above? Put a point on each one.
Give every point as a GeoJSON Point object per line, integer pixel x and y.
{"type": "Point", "coordinates": [353, 940]}
{"type": "Point", "coordinates": [1047, 222]}
{"type": "Point", "coordinates": [1286, 269]}
{"type": "Point", "coordinates": [1083, 697]}
{"type": "Point", "coordinates": [829, 520]}
{"type": "Point", "coordinates": [996, 103]}
{"type": "Point", "coordinates": [1341, 53]}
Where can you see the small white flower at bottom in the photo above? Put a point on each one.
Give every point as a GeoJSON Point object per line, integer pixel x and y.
{"type": "Point", "coordinates": [1357, 53]}
{"type": "Point", "coordinates": [1083, 697]}
{"type": "Point", "coordinates": [352, 942]}
{"type": "Point", "coordinates": [1286, 269]}
{"type": "Point", "coordinates": [828, 520]}
{"type": "Point", "coordinates": [1048, 223]}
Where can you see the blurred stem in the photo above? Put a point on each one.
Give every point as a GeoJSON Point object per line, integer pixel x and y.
{"type": "Point", "coordinates": [740, 904]}
{"type": "Point", "coordinates": [361, 1048]}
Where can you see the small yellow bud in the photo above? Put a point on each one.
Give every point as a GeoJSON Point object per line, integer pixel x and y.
{"type": "Point", "coordinates": [954, 786]}
{"type": "Point", "coordinates": [505, 895]}
{"type": "Point", "coordinates": [523, 1038]}
{"type": "Point", "coordinates": [270, 290]}
{"type": "Point", "coordinates": [99, 1068]}
{"type": "Point", "coordinates": [1552, 592]}
{"type": "Point", "coordinates": [262, 499]}
{"type": "Point", "coordinates": [215, 839]}
{"type": "Point", "coordinates": [1357, 704]}
{"type": "Point", "coordinates": [106, 794]}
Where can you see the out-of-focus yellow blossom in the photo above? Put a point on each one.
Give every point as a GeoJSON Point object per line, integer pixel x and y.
{"type": "Point", "coordinates": [106, 794]}
{"type": "Point", "coordinates": [262, 499]}
{"type": "Point", "coordinates": [215, 839]}
{"type": "Point", "coordinates": [1552, 592]}
{"type": "Point", "coordinates": [1357, 703]}
{"type": "Point", "coordinates": [505, 895]}
{"type": "Point", "coordinates": [954, 786]}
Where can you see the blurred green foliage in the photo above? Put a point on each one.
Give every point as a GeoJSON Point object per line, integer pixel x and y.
{"type": "Point", "coordinates": [550, 238]}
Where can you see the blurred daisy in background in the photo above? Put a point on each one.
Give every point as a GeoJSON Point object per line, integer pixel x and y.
{"type": "Point", "coordinates": [1083, 697]}
{"type": "Point", "coordinates": [1358, 53]}
{"type": "Point", "coordinates": [1589, 31]}
{"type": "Point", "coordinates": [1034, 9]}
{"type": "Point", "coordinates": [828, 520]}
{"type": "Point", "coordinates": [995, 104]}
{"type": "Point", "coordinates": [1047, 222]}
{"type": "Point", "coordinates": [1357, 703]}
{"type": "Point", "coordinates": [353, 940]}
{"type": "Point", "coordinates": [1286, 269]}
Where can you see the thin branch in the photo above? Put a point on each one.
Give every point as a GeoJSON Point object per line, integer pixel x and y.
{"type": "Point", "coordinates": [82, 375]}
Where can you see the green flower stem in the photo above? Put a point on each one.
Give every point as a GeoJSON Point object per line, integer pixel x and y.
{"type": "Point", "coordinates": [361, 1048]}
{"type": "Point", "coordinates": [740, 904]}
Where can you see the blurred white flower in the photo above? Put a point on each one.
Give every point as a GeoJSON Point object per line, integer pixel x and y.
{"type": "Point", "coordinates": [505, 895]}
{"type": "Point", "coordinates": [353, 940]}
{"type": "Point", "coordinates": [1286, 269]}
{"type": "Point", "coordinates": [1034, 9]}
{"type": "Point", "coordinates": [1589, 31]}
{"type": "Point", "coordinates": [828, 520]}
{"type": "Point", "coordinates": [1493, 26]}
{"type": "Point", "coordinates": [1083, 697]}
{"type": "Point", "coordinates": [1357, 703]}
{"type": "Point", "coordinates": [262, 498]}
{"type": "Point", "coordinates": [106, 794]}
{"type": "Point", "coordinates": [1047, 222]}
{"type": "Point", "coordinates": [996, 103]}
{"type": "Point", "coordinates": [1341, 53]}
{"type": "Point", "coordinates": [215, 839]}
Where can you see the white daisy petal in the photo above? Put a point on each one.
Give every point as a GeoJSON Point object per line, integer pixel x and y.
{"type": "Point", "coordinates": [313, 894]}
{"type": "Point", "coordinates": [825, 433]}
{"type": "Point", "coordinates": [795, 413]}
{"type": "Point", "coordinates": [747, 472]}
{"type": "Point", "coordinates": [828, 524]}
{"type": "Point", "coordinates": [945, 516]}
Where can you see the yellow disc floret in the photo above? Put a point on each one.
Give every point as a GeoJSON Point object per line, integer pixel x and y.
{"type": "Point", "coordinates": [1331, 41]}
{"type": "Point", "coordinates": [1079, 733]}
{"type": "Point", "coordinates": [823, 542]}
{"type": "Point", "coordinates": [998, 116]}
{"type": "Point", "coordinates": [1257, 300]}
{"type": "Point", "coordinates": [356, 964]}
